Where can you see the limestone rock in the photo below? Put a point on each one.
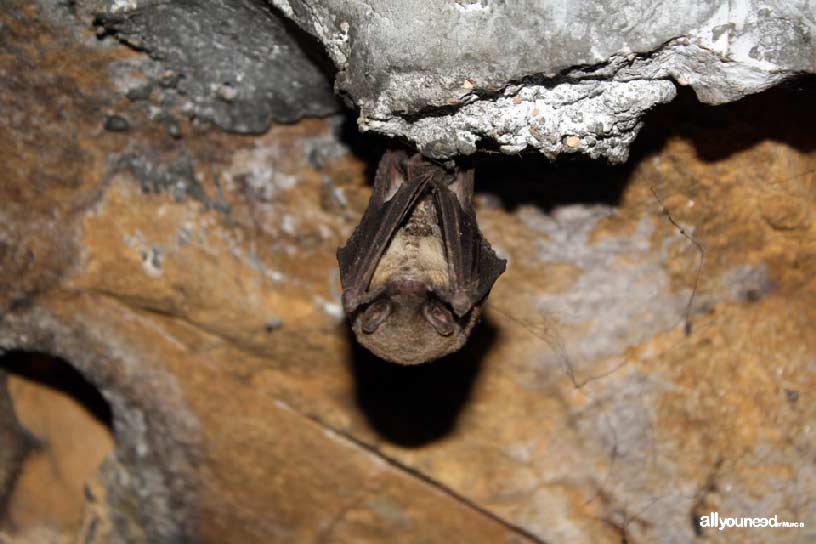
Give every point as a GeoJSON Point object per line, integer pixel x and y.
{"type": "Point", "coordinates": [232, 62]}
{"type": "Point", "coordinates": [457, 76]}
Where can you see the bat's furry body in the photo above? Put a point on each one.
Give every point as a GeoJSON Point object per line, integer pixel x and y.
{"type": "Point", "coordinates": [416, 251]}
{"type": "Point", "coordinates": [416, 270]}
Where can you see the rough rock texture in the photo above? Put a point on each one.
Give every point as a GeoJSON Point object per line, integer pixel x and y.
{"type": "Point", "coordinates": [65, 421]}
{"type": "Point", "coordinates": [191, 277]}
{"type": "Point", "coordinates": [15, 444]}
{"type": "Point", "coordinates": [559, 77]}
{"type": "Point", "coordinates": [232, 62]}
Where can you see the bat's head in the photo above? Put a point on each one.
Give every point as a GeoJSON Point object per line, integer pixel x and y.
{"type": "Point", "coordinates": [409, 324]}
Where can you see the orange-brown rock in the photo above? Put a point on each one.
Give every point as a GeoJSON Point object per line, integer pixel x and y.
{"type": "Point", "coordinates": [66, 443]}
{"type": "Point", "coordinates": [193, 281]}
{"type": "Point", "coordinates": [15, 444]}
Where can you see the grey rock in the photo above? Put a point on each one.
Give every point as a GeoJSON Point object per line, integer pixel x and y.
{"type": "Point", "coordinates": [235, 60]}
{"type": "Point", "coordinates": [156, 435]}
{"type": "Point", "coordinates": [116, 123]}
{"type": "Point", "coordinates": [599, 118]}
{"type": "Point", "coordinates": [174, 176]}
{"type": "Point", "coordinates": [456, 76]}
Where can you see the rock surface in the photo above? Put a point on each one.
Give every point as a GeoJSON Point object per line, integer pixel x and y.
{"type": "Point", "coordinates": [66, 434]}
{"type": "Point", "coordinates": [15, 444]}
{"type": "Point", "coordinates": [559, 77]}
{"type": "Point", "coordinates": [190, 276]}
{"type": "Point", "coordinates": [232, 62]}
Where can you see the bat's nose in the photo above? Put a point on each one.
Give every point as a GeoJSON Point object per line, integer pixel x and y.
{"type": "Point", "coordinates": [405, 286]}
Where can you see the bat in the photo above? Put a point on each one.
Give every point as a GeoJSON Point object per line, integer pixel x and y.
{"type": "Point", "coordinates": [416, 270]}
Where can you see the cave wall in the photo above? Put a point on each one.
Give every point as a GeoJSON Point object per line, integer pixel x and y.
{"type": "Point", "coordinates": [185, 266]}
{"type": "Point", "coordinates": [557, 77]}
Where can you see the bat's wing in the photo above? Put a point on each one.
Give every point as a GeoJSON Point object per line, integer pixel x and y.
{"type": "Point", "coordinates": [473, 266]}
{"type": "Point", "coordinates": [395, 194]}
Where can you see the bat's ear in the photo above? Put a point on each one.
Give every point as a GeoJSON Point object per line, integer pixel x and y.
{"type": "Point", "coordinates": [439, 317]}
{"type": "Point", "coordinates": [462, 187]}
{"type": "Point", "coordinates": [375, 315]}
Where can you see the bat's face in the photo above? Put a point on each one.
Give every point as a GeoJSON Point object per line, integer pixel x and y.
{"type": "Point", "coordinates": [409, 325]}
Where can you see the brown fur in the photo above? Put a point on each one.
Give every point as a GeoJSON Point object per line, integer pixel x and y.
{"type": "Point", "coordinates": [407, 338]}
{"type": "Point", "coordinates": [416, 252]}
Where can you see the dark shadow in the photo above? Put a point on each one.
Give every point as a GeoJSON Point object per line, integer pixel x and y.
{"type": "Point", "coordinates": [534, 179]}
{"type": "Point", "coordinates": [786, 114]}
{"type": "Point", "coordinates": [367, 146]}
{"type": "Point", "coordinates": [57, 374]}
{"type": "Point", "coordinates": [414, 405]}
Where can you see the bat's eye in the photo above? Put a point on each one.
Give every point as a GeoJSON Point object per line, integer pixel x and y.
{"type": "Point", "coordinates": [438, 316]}
{"type": "Point", "coordinates": [374, 315]}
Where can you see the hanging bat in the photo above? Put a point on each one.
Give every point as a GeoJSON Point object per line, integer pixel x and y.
{"type": "Point", "coordinates": [416, 270]}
